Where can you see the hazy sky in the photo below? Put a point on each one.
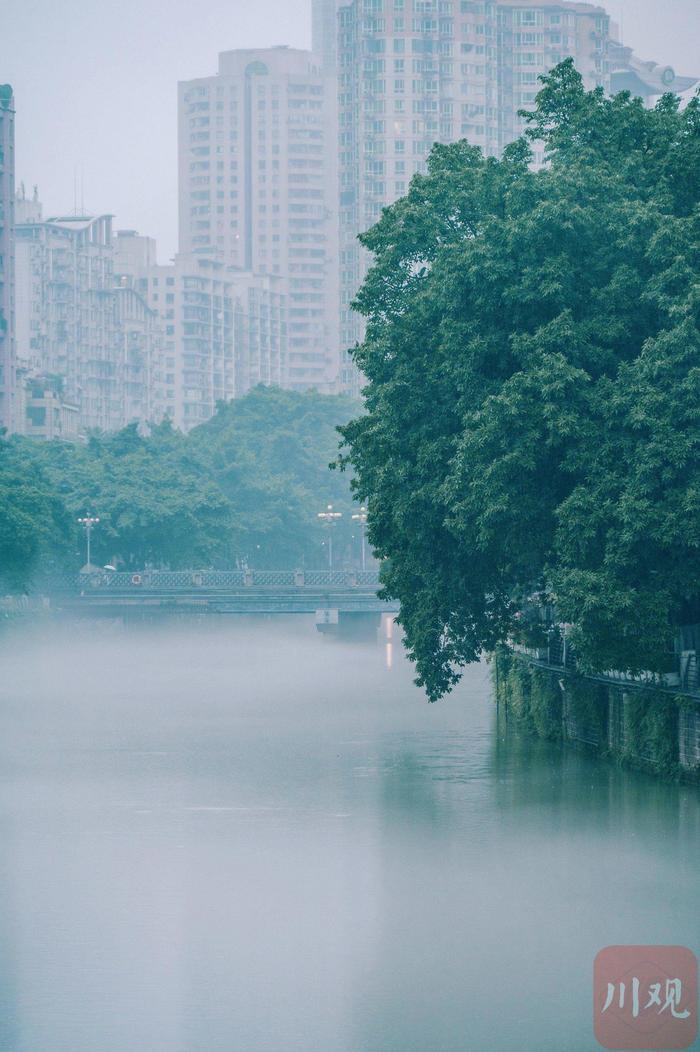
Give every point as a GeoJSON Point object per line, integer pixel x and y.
{"type": "Point", "coordinates": [95, 86]}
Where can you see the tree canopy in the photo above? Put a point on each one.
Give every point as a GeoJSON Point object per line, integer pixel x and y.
{"type": "Point", "coordinates": [533, 384]}
{"type": "Point", "coordinates": [246, 486]}
{"type": "Point", "coordinates": [33, 518]}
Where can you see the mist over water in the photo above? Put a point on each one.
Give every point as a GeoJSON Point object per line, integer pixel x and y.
{"type": "Point", "coordinates": [237, 835]}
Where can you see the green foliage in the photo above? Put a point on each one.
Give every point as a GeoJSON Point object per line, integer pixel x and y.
{"type": "Point", "coordinates": [518, 687]}
{"type": "Point", "coordinates": [545, 704]}
{"type": "Point", "coordinates": [33, 520]}
{"type": "Point", "coordinates": [651, 730]}
{"type": "Point", "coordinates": [531, 694]}
{"type": "Point", "coordinates": [533, 365]}
{"type": "Point", "coordinates": [501, 661]}
{"type": "Point", "coordinates": [247, 485]}
{"type": "Point", "coordinates": [269, 453]}
{"type": "Point", "coordinates": [587, 708]}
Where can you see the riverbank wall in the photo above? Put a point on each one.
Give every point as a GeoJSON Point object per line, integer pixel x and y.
{"type": "Point", "coordinates": [644, 727]}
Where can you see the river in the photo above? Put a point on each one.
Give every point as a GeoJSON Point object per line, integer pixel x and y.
{"type": "Point", "coordinates": [236, 836]}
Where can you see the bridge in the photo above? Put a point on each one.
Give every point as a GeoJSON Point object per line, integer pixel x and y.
{"type": "Point", "coordinates": [339, 599]}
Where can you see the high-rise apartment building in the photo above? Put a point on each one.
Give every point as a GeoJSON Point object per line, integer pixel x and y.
{"type": "Point", "coordinates": [7, 258]}
{"type": "Point", "coordinates": [89, 350]}
{"type": "Point", "coordinates": [224, 330]}
{"type": "Point", "coordinates": [415, 72]}
{"type": "Point", "coordinates": [67, 323]}
{"type": "Point", "coordinates": [258, 190]}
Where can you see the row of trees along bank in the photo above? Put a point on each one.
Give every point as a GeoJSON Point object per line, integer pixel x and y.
{"type": "Point", "coordinates": [246, 485]}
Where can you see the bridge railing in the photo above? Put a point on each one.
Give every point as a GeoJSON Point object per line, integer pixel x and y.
{"type": "Point", "coordinates": [368, 577]}
{"type": "Point", "coordinates": [329, 577]}
{"type": "Point", "coordinates": [219, 578]}
{"type": "Point", "coordinates": [267, 578]}
{"type": "Point", "coordinates": [195, 580]}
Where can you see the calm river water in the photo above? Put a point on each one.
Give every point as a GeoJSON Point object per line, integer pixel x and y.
{"type": "Point", "coordinates": [227, 836]}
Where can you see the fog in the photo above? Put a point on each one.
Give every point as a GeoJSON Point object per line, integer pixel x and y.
{"type": "Point", "coordinates": [95, 87]}
{"type": "Point", "coordinates": [238, 835]}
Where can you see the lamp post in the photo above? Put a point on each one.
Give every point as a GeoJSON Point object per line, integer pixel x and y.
{"type": "Point", "coordinates": [329, 518]}
{"type": "Point", "coordinates": [88, 522]}
{"type": "Point", "coordinates": [361, 518]}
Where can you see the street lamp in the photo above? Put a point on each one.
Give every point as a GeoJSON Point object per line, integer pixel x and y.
{"type": "Point", "coordinates": [88, 522]}
{"type": "Point", "coordinates": [361, 518]}
{"type": "Point", "coordinates": [329, 518]}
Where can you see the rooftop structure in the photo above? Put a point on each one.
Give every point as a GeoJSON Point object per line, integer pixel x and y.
{"type": "Point", "coordinates": [647, 80]}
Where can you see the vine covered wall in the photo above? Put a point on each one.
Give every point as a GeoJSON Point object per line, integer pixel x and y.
{"type": "Point", "coordinates": [638, 727]}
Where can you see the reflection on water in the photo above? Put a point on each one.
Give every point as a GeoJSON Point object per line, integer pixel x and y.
{"type": "Point", "coordinates": [241, 836]}
{"type": "Point", "coordinates": [387, 631]}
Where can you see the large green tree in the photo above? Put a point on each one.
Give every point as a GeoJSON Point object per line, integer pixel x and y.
{"type": "Point", "coordinates": [533, 384]}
